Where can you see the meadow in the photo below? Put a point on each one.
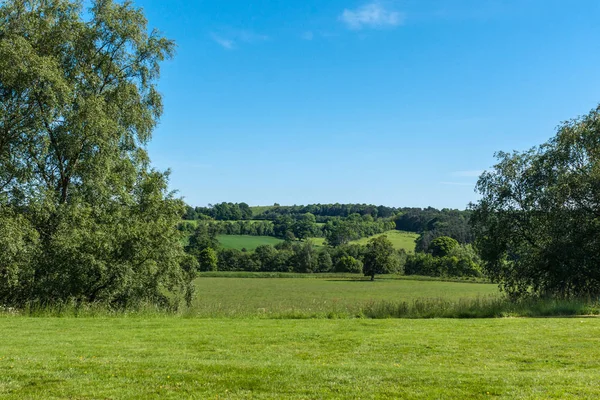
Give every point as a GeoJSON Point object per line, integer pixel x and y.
{"type": "Point", "coordinates": [249, 243]}
{"type": "Point", "coordinates": [330, 296]}
{"type": "Point", "coordinates": [174, 358]}
{"type": "Point", "coordinates": [399, 239]}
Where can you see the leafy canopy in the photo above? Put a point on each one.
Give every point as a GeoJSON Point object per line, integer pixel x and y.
{"type": "Point", "coordinates": [538, 221]}
{"type": "Point", "coordinates": [83, 216]}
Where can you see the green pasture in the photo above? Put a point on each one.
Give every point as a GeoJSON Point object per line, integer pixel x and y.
{"type": "Point", "coordinates": [175, 358]}
{"type": "Point", "coordinates": [337, 295]}
{"type": "Point", "coordinates": [257, 210]}
{"type": "Point", "coordinates": [244, 241]}
{"type": "Point", "coordinates": [400, 240]}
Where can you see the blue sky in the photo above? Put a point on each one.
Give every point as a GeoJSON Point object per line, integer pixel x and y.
{"type": "Point", "coordinates": [399, 103]}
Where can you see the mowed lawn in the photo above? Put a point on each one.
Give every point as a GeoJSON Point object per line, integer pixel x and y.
{"type": "Point", "coordinates": [249, 243]}
{"type": "Point", "coordinates": [217, 297]}
{"type": "Point", "coordinates": [175, 358]}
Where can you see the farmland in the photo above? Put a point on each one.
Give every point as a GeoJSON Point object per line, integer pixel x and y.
{"type": "Point", "coordinates": [174, 358]}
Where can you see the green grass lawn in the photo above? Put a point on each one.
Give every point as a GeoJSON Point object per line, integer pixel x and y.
{"type": "Point", "coordinates": [174, 358]}
{"type": "Point", "coordinates": [242, 297]}
{"type": "Point", "coordinates": [400, 240]}
{"type": "Point", "coordinates": [248, 242]}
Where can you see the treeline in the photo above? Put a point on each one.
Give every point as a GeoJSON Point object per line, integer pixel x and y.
{"type": "Point", "coordinates": [444, 257]}
{"type": "Point", "coordinates": [250, 228]}
{"type": "Point", "coordinates": [336, 232]}
{"type": "Point", "coordinates": [324, 211]}
{"type": "Point", "coordinates": [219, 212]}
{"type": "Point", "coordinates": [432, 223]}
{"type": "Point", "coordinates": [339, 223]}
{"type": "Point", "coordinates": [343, 224]}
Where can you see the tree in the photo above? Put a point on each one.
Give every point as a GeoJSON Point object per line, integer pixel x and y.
{"type": "Point", "coordinates": [204, 237]}
{"type": "Point", "coordinates": [537, 223]}
{"type": "Point", "coordinates": [283, 226]}
{"type": "Point", "coordinates": [207, 259]}
{"type": "Point", "coordinates": [305, 258]}
{"type": "Point", "coordinates": [305, 227]}
{"type": "Point", "coordinates": [442, 246]}
{"type": "Point", "coordinates": [245, 210]}
{"type": "Point", "coordinates": [349, 264]}
{"type": "Point", "coordinates": [267, 257]}
{"type": "Point", "coordinates": [380, 257]}
{"type": "Point", "coordinates": [325, 264]}
{"type": "Point", "coordinates": [339, 233]}
{"type": "Point", "coordinates": [78, 104]}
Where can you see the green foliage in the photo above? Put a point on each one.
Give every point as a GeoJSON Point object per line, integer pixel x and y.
{"type": "Point", "coordinates": [247, 228]}
{"type": "Point", "coordinates": [306, 227]}
{"type": "Point", "coordinates": [78, 103]}
{"type": "Point", "coordinates": [380, 257]}
{"type": "Point", "coordinates": [221, 212]}
{"type": "Point", "coordinates": [442, 246]}
{"type": "Point", "coordinates": [349, 264]}
{"type": "Point", "coordinates": [204, 237]}
{"type": "Point", "coordinates": [537, 222]}
{"type": "Point", "coordinates": [305, 258]}
{"type": "Point", "coordinates": [324, 211]}
{"type": "Point", "coordinates": [324, 262]}
{"type": "Point", "coordinates": [460, 261]}
{"type": "Point", "coordinates": [207, 260]}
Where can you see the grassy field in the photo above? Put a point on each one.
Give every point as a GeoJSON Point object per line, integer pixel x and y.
{"type": "Point", "coordinates": [242, 297]}
{"type": "Point", "coordinates": [400, 240]}
{"type": "Point", "coordinates": [257, 210]}
{"type": "Point", "coordinates": [173, 358]}
{"type": "Point", "coordinates": [248, 242]}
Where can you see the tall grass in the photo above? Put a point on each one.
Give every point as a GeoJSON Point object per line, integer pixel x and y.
{"type": "Point", "coordinates": [481, 307]}
{"type": "Point", "coordinates": [337, 275]}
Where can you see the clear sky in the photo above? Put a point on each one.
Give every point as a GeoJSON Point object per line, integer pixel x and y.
{"type": "Point", "coordinates": [400, 103]}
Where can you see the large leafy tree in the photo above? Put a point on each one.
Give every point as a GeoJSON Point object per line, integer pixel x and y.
{"type": "Point", "coordinates": [78, 103]}
{"type": "Point", "coordinates": [538, 221]}
{"type": "Point", "coordinates": [380, 257]}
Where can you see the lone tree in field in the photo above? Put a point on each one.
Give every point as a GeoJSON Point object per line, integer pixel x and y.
{"type": "Point", "coordinates": [380, 257]}
{"type": "Point", "coordinates": [83, 217]}
{"type": "Point", "coordinates": [538, 222]}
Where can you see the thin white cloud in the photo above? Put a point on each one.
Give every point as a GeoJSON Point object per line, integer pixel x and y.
{"type": "Point", "coordinates": [308, 35]}
{"type": "Point", "coordinates": [469, 174]}
{"type": "Point", "coordinates": [225, 43]}
{"type": "Point", "coordinates": [251, 37]}
{"type": "Point", "coordinates": [229, 39]}
{"type": "Point", "coordinates": [371, 15]}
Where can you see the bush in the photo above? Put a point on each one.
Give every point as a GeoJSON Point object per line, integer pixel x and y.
{"type": "Point", "coordinates": [462, 261]}
{"type": "Point", "coordinates": [349, 264]}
